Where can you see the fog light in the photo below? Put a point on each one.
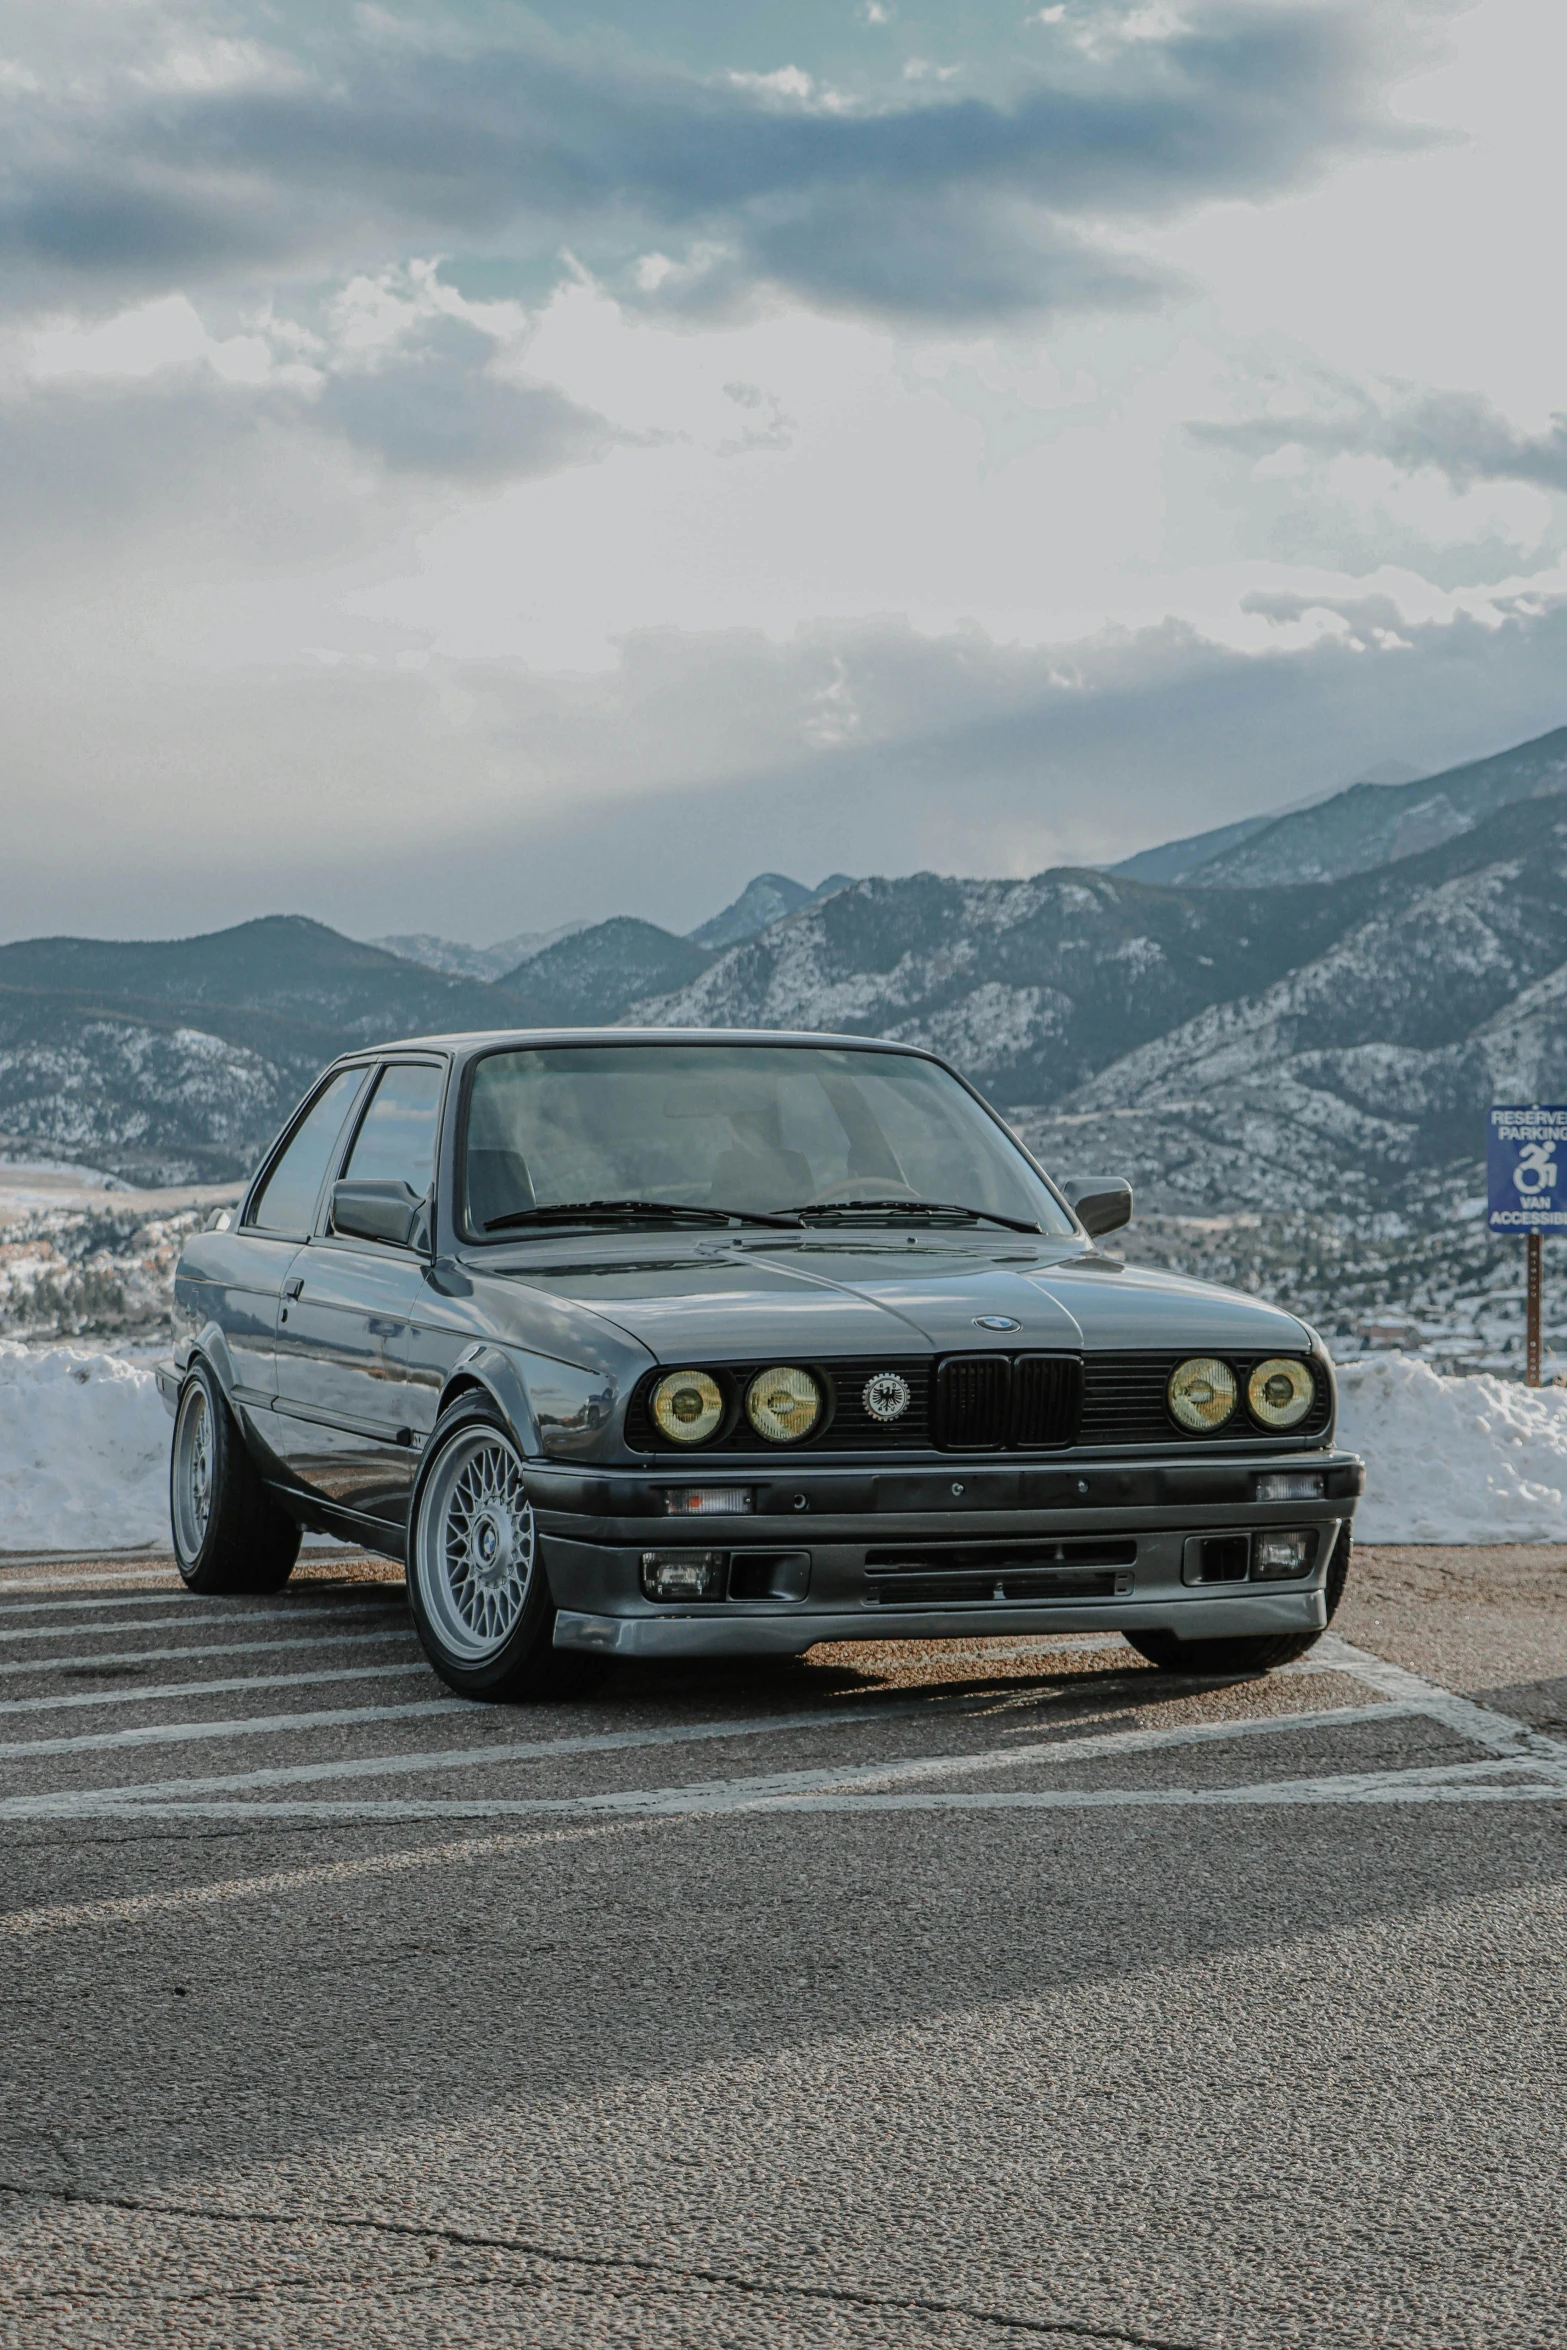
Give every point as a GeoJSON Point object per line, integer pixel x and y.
{"type": "Point", "coordinates": [706, 1501]}
{"type": "Point", "coordinates": [1291, 1485]}
{"type": "Point", "coordinates": [1275, 1558]}
{"type": "Point", "coordinates": [683, 1574]}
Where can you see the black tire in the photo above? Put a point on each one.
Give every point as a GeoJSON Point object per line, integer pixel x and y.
{"type": "Point", "coordinates": [230, 1535]}
{"type": "Point", "coordinates": [486, 1621]}
{"type": "Point", "coordinates": [1260, 1654]}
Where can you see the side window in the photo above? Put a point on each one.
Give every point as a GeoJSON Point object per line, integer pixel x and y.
{"type": "Point", "coordinates": [396, 1138]}
{"type": "Point", "coordinates": [288, 1198]}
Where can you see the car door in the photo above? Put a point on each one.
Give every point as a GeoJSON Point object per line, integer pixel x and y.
{"type": "Point", "coordinates": [254, 1259]}
{"type": "Point", "coordinates": [342, 1414]}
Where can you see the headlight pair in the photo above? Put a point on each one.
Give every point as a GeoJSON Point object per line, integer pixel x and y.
{"type": "Point", "coordinates": [1203, 1393]}
{"type": "Point", "coordinates": [783, 1405]}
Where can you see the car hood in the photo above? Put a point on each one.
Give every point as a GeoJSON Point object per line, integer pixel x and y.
{"type": "Point", "coordinates": [824, 1300]}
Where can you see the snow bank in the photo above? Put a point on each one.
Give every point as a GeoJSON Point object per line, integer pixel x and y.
{"type": "Point", "coordinates": [1454, 1460]}
{"type": "Point", "coordinates": [84, 1451]}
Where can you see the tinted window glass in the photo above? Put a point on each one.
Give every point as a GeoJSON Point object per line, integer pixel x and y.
{"type": "Point", "coordinates": [734, 1126]}
{"type": "Point", "coordinates": [396, 1140]}
{"type": "Point", "coordinates": [288, 1201]}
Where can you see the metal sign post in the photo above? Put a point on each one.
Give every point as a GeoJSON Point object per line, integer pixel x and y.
{"type": "Point", "coordinates": [1526, 1162]}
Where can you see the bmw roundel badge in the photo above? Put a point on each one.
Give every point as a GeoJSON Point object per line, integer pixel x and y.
{"type": "Point", "coordinates": [996, 1322]}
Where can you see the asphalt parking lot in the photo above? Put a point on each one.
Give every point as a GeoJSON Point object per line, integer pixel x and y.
{"type": "Point", "coordinates": [970, 1995]}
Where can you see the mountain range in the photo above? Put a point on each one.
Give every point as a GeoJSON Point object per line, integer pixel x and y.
{"type": "Point", "coordinates": [766, 899]}
{"type": "Point", "coordinates": [1315, 1011]}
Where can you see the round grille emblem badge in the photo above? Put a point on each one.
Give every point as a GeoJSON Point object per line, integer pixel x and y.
{"type": "Point", "coordinates": [886, 1397]}
{"type": "Point", "coordinates": [996, 1322]}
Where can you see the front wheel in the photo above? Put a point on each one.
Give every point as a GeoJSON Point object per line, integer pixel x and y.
{"type": "Point", "coordinates": [230, 1535]}
{"type": "Point", "coordinates": [476, 1582]}
{"type": "Point", "coordinates": [1261, 1653]}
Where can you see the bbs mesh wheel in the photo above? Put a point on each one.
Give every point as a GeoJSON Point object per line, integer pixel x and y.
{"type": "Point", "coordinates": [476, 1581]}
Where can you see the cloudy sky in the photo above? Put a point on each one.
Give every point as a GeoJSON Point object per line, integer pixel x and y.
{"type": "Point", "coordinates": [470, 467]}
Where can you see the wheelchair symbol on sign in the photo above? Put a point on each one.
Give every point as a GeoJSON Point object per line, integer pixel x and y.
{"type": "Point", "coordinates": [1536, 1168]}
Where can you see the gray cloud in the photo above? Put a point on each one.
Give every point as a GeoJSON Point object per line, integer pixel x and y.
{"type": "Point", "coordinates": [1460, 434]}
{"type": "Point", "coordinates": [259, 466]}
{"type": "Point", "coordinates": [658, 789]}
{"type": "Point", "coordinates": [938, 206]}
{"type": "Point", "coordinates": [438, 407]}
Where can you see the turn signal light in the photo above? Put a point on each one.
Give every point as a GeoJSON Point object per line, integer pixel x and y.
{"type": "Point", "coordinates": [1291, 1485]}
{"type": "Point", "coordinates": [706, 1501]}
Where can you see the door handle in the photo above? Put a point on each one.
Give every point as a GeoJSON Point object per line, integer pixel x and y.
{"type": "Point", "coordinates": [293, 1288]}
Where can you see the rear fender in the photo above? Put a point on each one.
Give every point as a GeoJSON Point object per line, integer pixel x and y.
{"type": "Point", "coordinates": [213, 1347]}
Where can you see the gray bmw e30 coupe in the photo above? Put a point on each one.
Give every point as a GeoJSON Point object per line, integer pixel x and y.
{"type": "Point", "coordinates": [653, 1344]}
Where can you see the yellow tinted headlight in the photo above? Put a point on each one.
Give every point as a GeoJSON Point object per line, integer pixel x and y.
{"type": "Point", "coordinates": [1202, 1393]}
{"type": "Point", "coordinates": [783, 1404]}
{"type": "Point", "coordinates": [1280, 1393]}
{"type": "Point", "coordinates": [688, 1406]}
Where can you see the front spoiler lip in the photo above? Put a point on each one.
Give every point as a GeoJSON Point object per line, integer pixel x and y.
{"type": "Point", "coordinates": [792, 1632]}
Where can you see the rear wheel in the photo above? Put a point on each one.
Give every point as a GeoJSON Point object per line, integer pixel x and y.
{"type": "Point", "coordinates": [229, 1533]}
{"type": "Point", "coordinates": [1258, 1654]}
{"type": "Point", "coordinates": [476, 1582]}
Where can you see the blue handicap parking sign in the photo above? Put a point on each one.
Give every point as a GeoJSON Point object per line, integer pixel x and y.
{"type": "Point", "coordinates": [1526, 1168]}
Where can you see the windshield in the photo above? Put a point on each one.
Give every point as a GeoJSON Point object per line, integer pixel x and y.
{"type": "Point", "coordinates": [861, 1136]}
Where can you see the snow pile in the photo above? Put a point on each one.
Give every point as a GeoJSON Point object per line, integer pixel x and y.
{"type": "Point", "coordinates": [84, 1452]}
{"type": "Point", "coordinates": [1454, 1460]}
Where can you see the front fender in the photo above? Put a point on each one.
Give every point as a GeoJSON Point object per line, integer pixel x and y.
{"type": "Point", "coordinates": [490, 1370]}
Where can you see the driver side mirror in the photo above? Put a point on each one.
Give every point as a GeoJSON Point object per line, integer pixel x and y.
{"type": "Point", "coordinates": [1101, 1203]}
{"type": "Point", "coordinates": [376, 1210]}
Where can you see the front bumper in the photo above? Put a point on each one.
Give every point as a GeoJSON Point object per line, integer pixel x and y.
{"type": "Point", "coordinates": [1106, 1547]}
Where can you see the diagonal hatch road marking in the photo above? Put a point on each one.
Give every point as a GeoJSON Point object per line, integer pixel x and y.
{"type": "Point", "coordinates": [787, 1789]}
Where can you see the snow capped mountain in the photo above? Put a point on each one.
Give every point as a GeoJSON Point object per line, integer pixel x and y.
{"type": "Point", "coordinates": [1325, 1033]}
{"type": "Point", "coordinates": [461, 961]}
{"type": "Point", "coordinates": [769, 898]}
{"type": "Point", "coordinates": [1029, 985]}
{"type": "Point", "coordinates": [1373, 823]}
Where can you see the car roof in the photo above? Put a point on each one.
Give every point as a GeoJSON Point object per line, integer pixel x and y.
{"type": "Point", "coordinates": [473, 1041]}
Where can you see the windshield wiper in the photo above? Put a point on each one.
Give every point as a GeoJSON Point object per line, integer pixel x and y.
{"type": "Point", "coordinates": [913, 1207]}
{"type": "Point", "coordinates": [636, 1211]}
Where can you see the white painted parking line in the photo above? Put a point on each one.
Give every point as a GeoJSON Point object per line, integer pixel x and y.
{"type": "Point", "coordinates": [679, 1803]}
{"type": "Point", "coordinates": [34, 1665]}
{"type": "Point", "coordinates": [866, 1786]}
{"type": "Point", "coordinates": [66, 1577]}
{"type": "Point", "coordinates": [165, 1595]}
{"type": "Point", "coordinates": [1482, 1724]}
{"type": "Point", "coordinates": [451, 1758]}
{"type": "Point", "coordinates": [299, 1601]}
{"type": "Point", "coordinates": [1057, 1751]}
{"type": "Point", "coordinates": [94, 1698]}
{"type": "Point", "coordinates": [168, 1596]}
{"type": "Point", "coordinates": [129, 1908]}
{"type": "Point", "coordinates": [253, 1615]}
{"type": "Point", "coordinates": [244, 1726]}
